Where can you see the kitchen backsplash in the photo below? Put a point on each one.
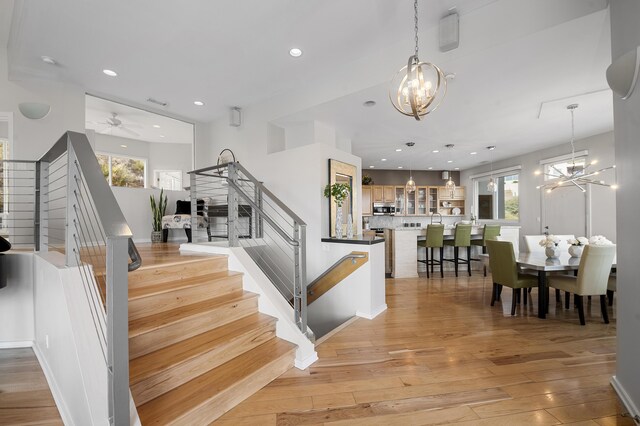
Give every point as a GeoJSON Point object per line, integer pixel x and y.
{"type": "Point", "coordinates": [396, 221]}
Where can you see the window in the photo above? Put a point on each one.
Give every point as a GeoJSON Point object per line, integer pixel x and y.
{"type": "Point", "coordinates": [123, 171]}
{"type": "Point", "coordinates": [168, 179]}
{"type": "Point", "coordinates": [502, 204]}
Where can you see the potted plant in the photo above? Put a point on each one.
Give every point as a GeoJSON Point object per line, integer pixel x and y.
{"type": "Point", "coordinates": [158, 210]}
{"type": "Point", "coordinates": [339, 192]}
{"type": "Point", "coordinates": [367, 180]}
{"type": "Point", "coordinates": [550, 244]}
{"type": "Point", "coordinates": [577, 245]}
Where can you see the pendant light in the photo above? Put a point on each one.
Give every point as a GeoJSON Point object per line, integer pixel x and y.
{"type": "Point", "coordinates": [450, 184]}
{"type": "Point", "coordinates": [410, 187]}
{"type": "Point", "coordinates": [492, 186]}
{"type": "Point", "coordinates": [576, 176]}
{"type": "Point", "coordinates": [417, 88]}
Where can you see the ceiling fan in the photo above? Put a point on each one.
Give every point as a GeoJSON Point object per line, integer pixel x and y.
{"type": "Point", "coordinates": [113, 123]}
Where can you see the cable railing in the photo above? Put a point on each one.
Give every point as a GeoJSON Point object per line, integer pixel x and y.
{"type": "Point", "coordinates": [241, 210]}
{"type": "Point", "coordinates": [77, 215]}
{"type": "Point", "coordinates": [17, 202]}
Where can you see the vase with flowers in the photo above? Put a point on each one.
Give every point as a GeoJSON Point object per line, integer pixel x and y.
{"type": "Point", "coordinates": [550, 244]}
{"type": "Point", "coordinates": [339, 192]}
{"type": "Point", "coordinates": [599, 240]}
{"type": "Point", "coordinates": [576, 245]}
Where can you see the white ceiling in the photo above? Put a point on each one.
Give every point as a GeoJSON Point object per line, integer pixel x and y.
{"type": "Point", "coordinates": [136, 123]}
{"type": "Point", "coordinates": [514, 56]}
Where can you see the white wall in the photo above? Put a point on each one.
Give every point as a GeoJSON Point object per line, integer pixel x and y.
{"type": "Point", "coordinates": [625, 35]}
{"type": "Point", "coordinates": [16, 301]}
{"type": "Point", "coordinates": [603, 206]}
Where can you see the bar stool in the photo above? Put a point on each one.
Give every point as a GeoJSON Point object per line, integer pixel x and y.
{"type": "Point", "coordinates": [461, 238]}
{"type": "Point", "coordinates": [489, 232]}
{"type": "Point", "coordinates": [435, 239]}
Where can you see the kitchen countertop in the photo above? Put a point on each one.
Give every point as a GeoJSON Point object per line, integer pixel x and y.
{"type": "Point", "coordinates": [357, 239]}
{"type": "Point", "coordinates": [447, 227]}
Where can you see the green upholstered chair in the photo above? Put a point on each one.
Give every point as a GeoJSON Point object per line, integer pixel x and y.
{"type": "Point", "coordinates": [592, 279]}
{"type": "Point", "coordinates": [433, 240]}
{"type": "Point", "coordinates": [504, 271]}
{"type": "Point", "coordinates": [489, 232]}
{"type": "Point", "coordinates": [461, 238]}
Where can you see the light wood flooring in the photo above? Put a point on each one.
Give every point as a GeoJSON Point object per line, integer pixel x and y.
{"type": "Point", "coordinates": [441, 354]}
{"type": "Point", "coordinates": [25, 398]}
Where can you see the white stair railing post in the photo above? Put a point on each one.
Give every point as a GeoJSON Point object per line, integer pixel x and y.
{"type": "Point", "coordinates": [41, 218]}
{"type": "Point", "coordinates": [232, 206]}
{"type": "Point", "coordinates": [118, 329]}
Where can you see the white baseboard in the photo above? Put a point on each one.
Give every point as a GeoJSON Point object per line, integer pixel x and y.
{"type": "Point", "coordinates": [304, 363]}
{"type": "Point", "coordinates": [53, 386]}
{"type": "Point", "coordinates": [16, 345]}
{"type": "Point", "coordinates": [374, 313]}
{"type": "Point", "coordinates": [624, 397]}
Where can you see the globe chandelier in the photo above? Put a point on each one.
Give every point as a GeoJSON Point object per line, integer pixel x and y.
{"type": "Point", "coordinates": [575, 175]}
{"type": "Point", "coordinates": [417, 88]}
{"type": "Point", "coordinates": [411, 184]}
{"type": "Point", "coordinates": [450, 184]}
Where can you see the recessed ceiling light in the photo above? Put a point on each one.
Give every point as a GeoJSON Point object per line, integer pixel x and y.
{"type": "Point", "coordinates": [295, 52]}
{"type": "Point", "coordinates": [473, 153]}
{"type": "Point", "coordinates": [429, 168]}
{"type": "Point", "coordinates": [457, 168]}
{"type": "Point", "coordinates": [383, 159]}
{"type": "Point", "coordinates": [371, 167]}
{"type": "Point", "coordinates": [162, 136]}
{"type": "Point", "coordinates": [399, 149]}
{"type": "Point", "coordinates": [123, 146]}
{"type": "Point", "coordinates": [110, 73]}
{"type": "Point", "coordinates": [400, 167]}
{"type": "Point", "coordinates": [369, 103]}
{"type": "Point", "coordinates": [48, 60]}
{"type": "Point", "coordinates": [156, 126]}
{"type": "Point", "coordinates": [449, 161]}
{"type": "Point", "coordinates": [198, 103]}
{"type": "Point", "coordinates": [435, 151]}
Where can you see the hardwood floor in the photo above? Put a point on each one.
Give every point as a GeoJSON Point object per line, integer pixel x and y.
{"type": "Point", "coordinates": [25, 398]}
{"type": "Point", "coordinates": [441, 354]}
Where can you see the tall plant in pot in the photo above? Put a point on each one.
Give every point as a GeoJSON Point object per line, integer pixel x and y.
{"type": "Point", "coordinates": [339, 192]}
{"type": "Point", "coordinates": [158, 210]}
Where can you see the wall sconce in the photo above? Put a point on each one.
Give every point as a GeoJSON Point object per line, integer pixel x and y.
{"type": "Point", "coordinates": [235, 116]}
{"type": "Point", "coordinates": [34, 110]}
{"type": "Point", "coordinates": [622, 74]}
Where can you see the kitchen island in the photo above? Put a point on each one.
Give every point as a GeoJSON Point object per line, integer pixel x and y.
{"type": "Point", "coordinates": [404, 250]}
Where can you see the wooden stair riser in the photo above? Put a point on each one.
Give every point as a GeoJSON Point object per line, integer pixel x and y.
{"type": "Point", "coordinates": [174, 272]}
{"type": "Point", "coordinates": [163, 302]}
{"type": "Point", "coordinates": [174, 376]}
{"type": "Point", "coordinates": [187, 327]}
{"type": "Point", "coordinates": [208, 396]}
{"type": "Point", "coordinates": [241, 390]}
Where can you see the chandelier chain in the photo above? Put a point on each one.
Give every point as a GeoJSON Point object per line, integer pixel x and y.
{"type": "Point", "coordinates": [415, 21]}
{"type": "Point", "coordinates": [573, 149]}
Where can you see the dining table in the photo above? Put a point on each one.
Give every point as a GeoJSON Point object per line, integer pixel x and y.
{"type": "Point", "coordinates": [542, 265]}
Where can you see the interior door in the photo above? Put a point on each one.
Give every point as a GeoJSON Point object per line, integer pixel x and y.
{"type": "Point", "coordinates": [565, 212]}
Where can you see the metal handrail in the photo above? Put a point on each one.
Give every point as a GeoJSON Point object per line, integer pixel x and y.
{"type": "Point", "coordinates": [352, 256]}
{"type": "Point", "coordinates": [258, 210]}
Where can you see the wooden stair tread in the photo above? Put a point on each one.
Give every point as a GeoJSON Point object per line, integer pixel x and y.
{"type": "Point", "coordinates": [140, 292]}
{"type": "Point", "coordinates": [182, 259]}
{"type": "Point", "coordinates": [154, 362]}
{"type": "Point", "coordinates": [152, 322]}
{"type": "Point", "coordinates": [171, 406]}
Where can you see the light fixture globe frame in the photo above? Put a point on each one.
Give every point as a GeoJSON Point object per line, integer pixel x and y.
{"type": "Point", "coordinates": [411, 94]}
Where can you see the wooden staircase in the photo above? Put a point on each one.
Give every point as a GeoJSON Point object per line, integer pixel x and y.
{"type": "Point", "coordinates": [197, 344]}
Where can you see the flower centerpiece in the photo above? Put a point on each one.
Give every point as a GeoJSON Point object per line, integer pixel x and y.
{"type": "Point", "coordinates": [599, 240]}
{"type": "Point", "coordinates": [550, 244]}
{"type": "Point", "coordinates": [576, 245]}
{"type": "Point", "coordinates": [339, 192]}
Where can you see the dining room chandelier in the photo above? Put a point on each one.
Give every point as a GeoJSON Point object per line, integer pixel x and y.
{"type": "Point", "coordinates": [575, 175]}
{"type": "Point", "coordinates": [492, 186]}
{"type": "Point", "coordinates": [417, 88]}
{"type": "Point", "coordinates": [410, 186]}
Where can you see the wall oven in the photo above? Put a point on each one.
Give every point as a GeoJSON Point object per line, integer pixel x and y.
{"type": "Point", "coordinates": [380, 209]}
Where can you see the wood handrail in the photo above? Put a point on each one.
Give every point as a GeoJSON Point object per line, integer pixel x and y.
{"type": "Point", "coordinates": [335, 274]}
